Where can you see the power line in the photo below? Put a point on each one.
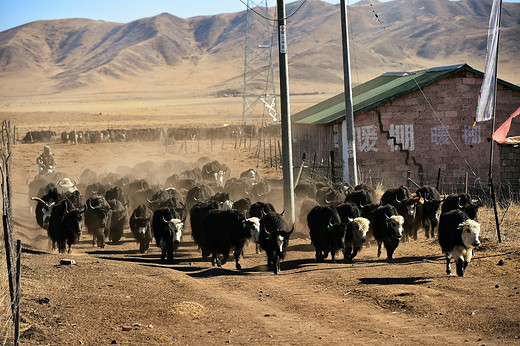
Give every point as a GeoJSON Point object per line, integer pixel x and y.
{"type": "Point", "coordinates": [270, 19]}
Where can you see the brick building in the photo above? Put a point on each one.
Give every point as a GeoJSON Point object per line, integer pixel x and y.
{"type": "Point", "coordinates": [510, 165]}
{"type": "Point", "coordinates": [410, 121]}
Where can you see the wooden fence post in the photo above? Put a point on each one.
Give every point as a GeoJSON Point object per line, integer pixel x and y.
{"type": "Point", "coordinates": [438, 179]}
{"type": "Point", "coordinates": [313, 165]}
{"type": "Point", "coordinates": [224, 137]}
{"type": "Point", "coordinates": [466, 182]}
{"type": "Point", "coordinates": [270, 151]}
{"type": "Point", "coordinates": [7, 216]}
{"type": "Point", "coordinates": [17, 296]}
{"type": "Point", "coordinates": [301, 169]}
{"type": "Point", "coordinates": [332, 173]}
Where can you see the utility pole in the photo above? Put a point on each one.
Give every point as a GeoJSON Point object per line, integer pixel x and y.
{"type": "Point", "coordinates": [348, 130]}
{"type": "Point", "coordinates": [288, 188]}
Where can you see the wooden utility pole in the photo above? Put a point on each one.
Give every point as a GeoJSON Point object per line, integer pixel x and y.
{"type": "Point", "coordinates": [288, 183]}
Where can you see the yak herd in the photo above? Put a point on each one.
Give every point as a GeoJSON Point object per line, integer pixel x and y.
{"type": "Point", "coordinates": [224, 213]}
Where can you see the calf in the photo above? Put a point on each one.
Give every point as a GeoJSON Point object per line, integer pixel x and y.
{"type": "Point", "coordinates": [387, 225]}
{"type": "Point", "coordinates": [274, 239]}
{"type": "Point", "coordinates": [226, 230]}
{"type": "Point", "coordinates": [141, 226]}
{"type": "Point", "coordinates": [458, 235]}
{"type": "Point", "coordinates": [326, 231]}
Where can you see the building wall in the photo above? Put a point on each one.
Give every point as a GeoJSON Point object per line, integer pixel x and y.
{"type": "Point", "coordinates": [405, 134]}
{"type": "Point", "coordinates": [510, 166]}
{"type": "Point", "coordinates": [319, 141]}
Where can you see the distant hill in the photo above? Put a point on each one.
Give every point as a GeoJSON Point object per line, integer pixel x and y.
{"type": "Point", "coordinates": [205, 54]}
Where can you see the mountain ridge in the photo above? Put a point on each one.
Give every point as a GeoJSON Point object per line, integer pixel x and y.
{"type": "Point", "coordinates": [164, 51]}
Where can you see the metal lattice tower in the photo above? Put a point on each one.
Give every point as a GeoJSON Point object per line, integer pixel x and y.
{"type": "Point", "coordinates": [259, 87]}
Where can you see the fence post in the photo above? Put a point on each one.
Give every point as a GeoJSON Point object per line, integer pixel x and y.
{"type": "Point", "coordinates": [327, 173]}
{"type": "Point", "coordinates": [224, 137]}
{"type": "Point", "coordinates": [271, 151]}
{"type": "Point", "coordinates": [301, 169]}
{"type": "Point", "coordinates": [313, 165]}
{"type": "Point", "coordinates": [438, 178]}
{"type": "Point", "coordinates": [280, 154]}
{"type": "Point", "coordinates": [466, 182]}
{"type": "Point", "coordinates": [7, 215]}
{"type": "Point", "coordinates": [265, 159]}
{"type": "Point", "coordinates": [332, 173]}
{"type": "Point", "coordinates": [17, 296]}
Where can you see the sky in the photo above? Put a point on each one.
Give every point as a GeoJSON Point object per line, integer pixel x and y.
{"type": "Point", "coordinates": [17, 12]}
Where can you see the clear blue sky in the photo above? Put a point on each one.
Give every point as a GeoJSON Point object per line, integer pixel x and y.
{"type": "Point", "coordinates": [17, 12]}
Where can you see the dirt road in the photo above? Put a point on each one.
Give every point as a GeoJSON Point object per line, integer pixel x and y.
{"type": "Point", "coordinates": [116, 295]}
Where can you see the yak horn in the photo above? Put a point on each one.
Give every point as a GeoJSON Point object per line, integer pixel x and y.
{"type": "Point", "coordinates": [40, 200]}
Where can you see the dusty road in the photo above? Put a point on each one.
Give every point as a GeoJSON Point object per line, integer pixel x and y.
{"type": "Point", "coordinates": [116, 295]}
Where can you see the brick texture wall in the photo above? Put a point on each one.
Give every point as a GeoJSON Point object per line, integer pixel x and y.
{"type": "Point", "coordinates": [422, 132]}
{"type": "Point", "coordinates": [510, 166]}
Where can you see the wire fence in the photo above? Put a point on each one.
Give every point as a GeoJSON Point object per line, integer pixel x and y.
{"type": "Point", "coordinates": [507, 191]}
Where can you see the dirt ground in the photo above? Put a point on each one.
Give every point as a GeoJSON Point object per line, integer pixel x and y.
{"type": "Point", "coordinates": [117, 296]}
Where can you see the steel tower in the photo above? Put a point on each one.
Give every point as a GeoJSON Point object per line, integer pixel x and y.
{"type": "Point", "coordinates": [259, 87]}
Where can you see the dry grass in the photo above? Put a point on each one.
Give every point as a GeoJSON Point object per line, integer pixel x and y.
{"type": "Point", "coordinates": [509, 221]}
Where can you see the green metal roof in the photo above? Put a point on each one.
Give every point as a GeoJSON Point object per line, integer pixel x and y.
{"type": "Point", "coordinates": [381, 89]}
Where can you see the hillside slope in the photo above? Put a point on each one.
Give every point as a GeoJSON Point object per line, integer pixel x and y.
{"type": "Point", "coordinates": [206, 54]}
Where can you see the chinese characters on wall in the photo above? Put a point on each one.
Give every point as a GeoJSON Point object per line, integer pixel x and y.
{"type": "Point", "coordinates": [402, 137]}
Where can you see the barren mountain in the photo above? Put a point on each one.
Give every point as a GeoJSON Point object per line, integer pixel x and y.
{"type": "Point", "coordinates": [206, 54]}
